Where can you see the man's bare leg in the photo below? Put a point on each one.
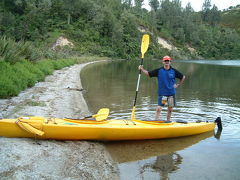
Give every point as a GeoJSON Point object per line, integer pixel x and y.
{"type": "Point", "coordinates": [158, 112]}
{"type": "Point", "coordinates": [169, 113]}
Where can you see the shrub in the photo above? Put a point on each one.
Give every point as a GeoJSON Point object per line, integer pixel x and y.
{"type": "Point", "coordinates": [17, 77]}
{"type": "Point", "coordinates": [13, 52]}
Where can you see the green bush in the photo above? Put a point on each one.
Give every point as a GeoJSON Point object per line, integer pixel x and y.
{"type": "Point", "coordinates": [17, 77]}
{"type": "Point", "coordinates": [7, 85]}
{"type": "Point", "coordinates": [46, 66]}
{"type": "Point", "coordinates": [26, 77]}
{"type": "Point", "coordinates": [59, 64]}
{"type": "Point", "coordinates": [13, 52]}
{"type": "Point", "coordinates": [32, 68]}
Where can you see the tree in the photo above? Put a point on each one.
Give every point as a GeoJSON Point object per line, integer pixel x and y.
{"type": "Point", "coordinates": [154, 4]}
{"type": "Point", "coordinates": [215, 16]}
{"type": "Point", "coordinates": [127, 3]}
{"type": "Point", "coordinates": [188, 9]}
{"type": "Point", "coordinates": [76, 8]}
{"type": "Point", "coordinates": [210, 15]}
{"type": "Point", "coordinates": [206, 10]}
{"type": "Point", "coordinates": [138, 3]}
{"type": "Point", "coordinates": [130, 35]}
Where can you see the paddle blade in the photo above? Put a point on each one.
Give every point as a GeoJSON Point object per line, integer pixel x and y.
{"type": "Point", "coordinates": [144, 45]}
{"type": "Point", "coordinates": [102, 114]}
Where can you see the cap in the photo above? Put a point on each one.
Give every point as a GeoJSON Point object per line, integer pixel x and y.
{"type": "Point", "coordinates": [167, 58]}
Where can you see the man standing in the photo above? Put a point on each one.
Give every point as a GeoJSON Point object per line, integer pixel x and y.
{"type": "Point", "coordinates": [166, 85]}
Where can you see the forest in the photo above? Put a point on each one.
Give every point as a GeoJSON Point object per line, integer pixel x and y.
{"type": "Point", "coordinates": [107, 29]}
{"type": "Point", "coordinates": [111, 28]}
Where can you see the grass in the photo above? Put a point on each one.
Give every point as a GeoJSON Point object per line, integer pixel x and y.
{"type": "Point", "coordinates": [22, 64]}
{"type": "Point", "coordinates": [23, 74]}
{"type": "Point", "coordinates": [35, 103]}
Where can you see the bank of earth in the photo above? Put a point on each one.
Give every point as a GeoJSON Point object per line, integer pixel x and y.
{"type": "Point", "coordinates": [60, 95]}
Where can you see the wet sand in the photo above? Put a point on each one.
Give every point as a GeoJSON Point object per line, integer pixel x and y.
{"type": "Point", "coordinates": [60, 95]}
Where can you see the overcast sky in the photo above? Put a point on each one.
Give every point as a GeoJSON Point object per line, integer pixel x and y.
{"type": "Point", "coordinates": [197, 4]}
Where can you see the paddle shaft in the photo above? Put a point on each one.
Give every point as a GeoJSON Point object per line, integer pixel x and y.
{"type": "Point", "coordinates": [144, 47]}
{"type": "Point", "coordinates": [138, 82]}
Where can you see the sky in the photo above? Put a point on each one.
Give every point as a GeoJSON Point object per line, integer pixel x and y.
{"type": "Point", "coordinates": [197, 4]}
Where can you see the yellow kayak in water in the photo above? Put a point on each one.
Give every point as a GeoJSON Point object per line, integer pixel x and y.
{"type": "Point", "coordinates": [105, 130]}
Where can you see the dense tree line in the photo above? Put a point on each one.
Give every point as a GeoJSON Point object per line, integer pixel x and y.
{"type": "Point", "coordinates": [110, 27]}
{"type": "Point", "coordinates": [201, 30]}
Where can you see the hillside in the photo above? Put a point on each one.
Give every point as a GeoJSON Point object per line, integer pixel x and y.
{"type": "Point", "coordinates": [231, 18]}
{"type": "Point", "coordinates": [111, 28]}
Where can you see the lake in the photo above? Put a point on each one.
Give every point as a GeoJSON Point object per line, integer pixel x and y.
{"type": "Point", "coordinates": [211, 89]}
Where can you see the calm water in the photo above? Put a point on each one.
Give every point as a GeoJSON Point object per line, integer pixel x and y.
{"type": "Point", "coordinates": [211, 89]}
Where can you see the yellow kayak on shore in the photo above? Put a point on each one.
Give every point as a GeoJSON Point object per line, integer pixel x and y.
{"type": "Point", "coordinates": [105, 130]}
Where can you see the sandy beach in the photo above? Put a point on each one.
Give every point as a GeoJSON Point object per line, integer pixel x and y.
{"type": "Point", "coordinates": [60, 95]}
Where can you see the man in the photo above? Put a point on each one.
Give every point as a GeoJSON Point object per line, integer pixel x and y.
{"type": "Point", "coordinates": [166, 85]}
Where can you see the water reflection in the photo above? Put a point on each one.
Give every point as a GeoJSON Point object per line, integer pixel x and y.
{"type": "Point", "coordinates": [128, 151]}
{"type": "Point", "coordinates": [152, 158]}
{"type": "Point", "coordinates": [217, 134]}
{"type": "Point", "coordinates": [216, 62]}
{"type": "Point", "coordinates": [164, 164]}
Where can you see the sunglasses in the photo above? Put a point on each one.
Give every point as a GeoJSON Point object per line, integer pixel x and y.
{"type": "Point", "coordinates": [166, 61]}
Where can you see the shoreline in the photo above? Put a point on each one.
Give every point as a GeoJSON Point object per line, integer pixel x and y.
{"type": "Point", "coordinates": [59, 96]}
{"type": "Point", "coordinates": [53, 97]}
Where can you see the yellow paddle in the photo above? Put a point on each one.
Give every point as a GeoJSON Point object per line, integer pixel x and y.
{"type": "Point", "coordinates": [144, 48]}
{"type": "Point", "coordinates": [144, 45]}
{"type": "Point", "coordinates": [102, 114]}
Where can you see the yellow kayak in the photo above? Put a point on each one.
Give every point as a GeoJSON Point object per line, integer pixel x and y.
{"type": "Point", "coordinates": [106, 130]}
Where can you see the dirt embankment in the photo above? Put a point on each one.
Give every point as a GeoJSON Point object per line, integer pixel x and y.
{"type": "Point", "coordinates": [22, 158]}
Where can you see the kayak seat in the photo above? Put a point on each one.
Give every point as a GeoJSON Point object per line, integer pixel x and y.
{"type": "Point", "coordinates": [157, 121]}
{"type": "Point", "coordinates": [181, 121]}
{"type": "Point", "coordinates": [85, 119]}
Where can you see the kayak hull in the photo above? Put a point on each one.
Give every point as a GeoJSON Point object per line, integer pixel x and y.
{"type": "Point", "coordinates": [107, 130]}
